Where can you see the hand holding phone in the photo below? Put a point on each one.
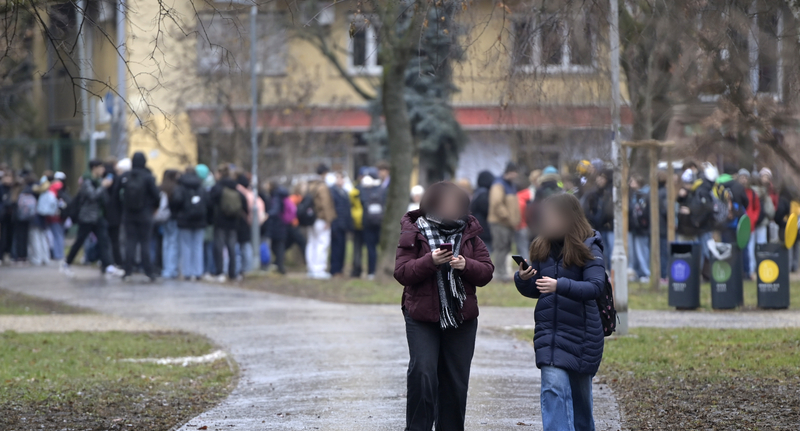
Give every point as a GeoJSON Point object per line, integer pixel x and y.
{"type": "Point", "coordinates": [441, 256]}
{"type": "Point", "coordinates": [521, 262]}
{"type": "Point", "coordinates": [446, 247]}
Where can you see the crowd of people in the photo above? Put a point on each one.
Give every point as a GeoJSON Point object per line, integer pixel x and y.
{"type": "Point", "coordinates": [709, 205]}
{"type": "Point", "coordinates": [194, 223]}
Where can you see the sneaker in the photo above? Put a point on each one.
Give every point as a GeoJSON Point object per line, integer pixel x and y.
{"type": "Point", "coordinates": [114, 271]}
{"type": "Point", "coordinates": [644, 280]}
{"type": "Point", "coordinates": [371, 277]}
{"type": "Point", "coordinates": [664, 282]}
{"type": "Point", "coordinates": [209, 278]}
{"type": "Point", "coordinates": [66, 270]}
{"type": "Point", "coordinates": [221, 278]}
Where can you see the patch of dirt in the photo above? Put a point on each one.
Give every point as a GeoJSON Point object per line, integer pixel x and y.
{"type": "Point", "coordinates": [113, 408]}
{"type": "Point", "coordinates": [740, 403]}
{"type": "Point", "coordinates": [18, 303]}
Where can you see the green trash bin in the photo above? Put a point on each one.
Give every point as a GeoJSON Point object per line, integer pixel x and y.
{"type": "Point", "coordinates": [726, 276]}
{"type": "Point", "coordinates": [773, 275]}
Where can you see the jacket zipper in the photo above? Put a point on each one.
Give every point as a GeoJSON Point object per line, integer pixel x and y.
{"type": "Point", "coordinates": [555, 322]}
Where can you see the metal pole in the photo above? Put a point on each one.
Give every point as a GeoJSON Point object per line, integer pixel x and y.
{"type": "Point", "coordinates": [88, 37]}
{"type": "Point", "coordinates": [84, 71]}
{"type": "Point", "coordinates": [619, 259]}
{"type": "Point", "coordinates": [256, 232]}
{"type": "Point", "coordinates": [120, 140]}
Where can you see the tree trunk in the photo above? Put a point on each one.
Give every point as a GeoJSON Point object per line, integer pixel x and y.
{"type": "Point", "coordinates": [401, 154]}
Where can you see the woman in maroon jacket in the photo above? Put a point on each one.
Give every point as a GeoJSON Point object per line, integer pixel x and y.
{"type": "Point", "coordinates": [440, 261]}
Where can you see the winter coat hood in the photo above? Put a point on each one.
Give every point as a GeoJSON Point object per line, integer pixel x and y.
{"type": "Point", "coordinates": [485, 179]}
{"type": "Point", "coordinates": [139, 160]}
{"type": "Point", "coordinates": [190, 181]}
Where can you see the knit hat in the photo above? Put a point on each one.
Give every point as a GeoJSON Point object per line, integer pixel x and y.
{"type": "Point", "coordinates": [687, 176]}
{"type": "Point", "coordinates": [417, 190]}
{"type": "Point", "coordinates": [743, 173]}
{"type": "Point", "coordinates": [710, 172]}
{"type": "Point", "coordinates": [60, 176]}
{"type": "Point", "coordinates": [202, 171]}
{"type": "Point", "coordinates": [583, 166]}
{"type": "Point", "coordinates": [550, 170]}
{"type": "Point", "coordinates": [765, 172]}
{"type": "Point", "coordinates": [124, 165]}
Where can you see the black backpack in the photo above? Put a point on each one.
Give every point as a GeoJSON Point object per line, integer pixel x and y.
{"type": "Point", "coordinates": [608, 314]}
{"type": "Point", "coordinates": [372, 200]}
{"type": "Point", "coordinates": [306, 215]}
{"type": "Point", "coordinates": [196, 205]}
{"type": "Point", "coordinates": [640, 211]}
{"type": "Point", "coordinates": [134, 186]}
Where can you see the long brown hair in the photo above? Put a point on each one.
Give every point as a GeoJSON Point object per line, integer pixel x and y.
{"type": "Point", "coordinates": [575, 252]}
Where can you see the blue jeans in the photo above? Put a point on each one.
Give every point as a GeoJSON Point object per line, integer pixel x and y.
{"type": "Point", "coordinates": [57, 229]}
{"type": "Point", "coordinates": [191, 241]}
{"type": "Point", "coordinates": [608, 246]}
{"type": "Point", "coordinates": [169, 249]}
{"type": "Point", "coordinates": [566, 400]}
{"type": "Point", "coordinates": [244, 257]}
{"type": "Point", "coordinates": [208, 258]}
{"type": "Point", "coordinates": [639, 254]}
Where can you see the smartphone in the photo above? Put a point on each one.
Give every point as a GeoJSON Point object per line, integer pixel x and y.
{"type": "Point", "coordinates": [448, 246]}
{"type": "Point", "coordinates": [110, 177]}
{"type": "Point", "coordinates": [520, 261]}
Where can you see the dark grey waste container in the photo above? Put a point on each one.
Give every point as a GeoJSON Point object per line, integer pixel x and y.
{"type": "Point", "coordinates": [726, 276]}
{"type": "Point", "coordinates": [773, 275]}
{"type": "Point", "coordinates": [684, 275]}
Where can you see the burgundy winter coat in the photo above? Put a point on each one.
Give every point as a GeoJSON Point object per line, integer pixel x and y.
{"type": "Point", "coordinates": [415, 270]}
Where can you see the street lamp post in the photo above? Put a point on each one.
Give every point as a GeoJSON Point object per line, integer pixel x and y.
{"type": "Point", "coordinates": [619, 259]}
{"type": "Point", "coordinates": [255, 232]}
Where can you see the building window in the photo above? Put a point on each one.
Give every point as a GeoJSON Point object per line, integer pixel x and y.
{"type": "Point", "coordinates": [555, 44]}
{"type": "Point", "coordinates": [768, 62]}
{"type": "Point", "coordinates": [364, 47]}
{"type": "Point", "coordinates": [223, 44]}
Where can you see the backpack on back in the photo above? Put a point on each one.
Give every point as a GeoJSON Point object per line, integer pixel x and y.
{"type": "Point", "coordinates": [608, 314]}
{"type": "Point", "coordinates": [26, 207]}
{"type": "Point", "coordinates": [230, 202]}
{"type": "Point", "coordinates": [134, 191]}
{"type": "Point", "coordinates": [289, 212]}
{"type": "Point", "coordinates": [722, 200]}
{"type": "Point", "coordinates": [373, 206]}
{"type": "Point", "coordinates": [306, 215]}
{"type": "Point", "coordinates": [196, 205]}
{"type": "Point", "coordinates": [47, 205]}
{"type": "Point", "coordinates": [640, 211]}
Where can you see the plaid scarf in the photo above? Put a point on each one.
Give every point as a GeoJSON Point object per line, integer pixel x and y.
{"type": "Point", "coordinates": [451, 293]}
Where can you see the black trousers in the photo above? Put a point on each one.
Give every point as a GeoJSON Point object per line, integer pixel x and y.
{"type": "Point", "coordinates": [338, 250]}
{"type": "Point", "coordinates": [438, 374]}
{"type": "Point", "coordinates": [6, 236]}
{"type": "Point", "coordinates": [100, 230]}
{"type": "Point", "coordinates": [138, 233]}
{"type": "Point", "coordinates": [21, 229]}
{"type": "Point", "coordinates": [358, 253]}
{"type": "Point", "coordinates": [279, 254]}
{"type": "Point", "coordinates": [114, 233]}
{"type": "Point", "coordinates": [296, 237]}
{"type": "Point", "coordinates": [225, 239]}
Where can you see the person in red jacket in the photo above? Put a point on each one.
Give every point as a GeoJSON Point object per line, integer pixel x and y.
{"type": "Point", "coordinates": [754, 214]}
{"type": "Point", "coordinates": [440, 262]}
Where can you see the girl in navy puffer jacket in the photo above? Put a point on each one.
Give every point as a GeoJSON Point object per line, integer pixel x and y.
{"type": "Point", "coordinates": [567, 275]}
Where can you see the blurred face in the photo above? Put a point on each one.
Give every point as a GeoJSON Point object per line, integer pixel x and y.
{"type": "Point", "coordinates": [743, 180]}
{"type": "Point", "coordinates": [98, 171]}
{"type": "Point", "coordinates": [383, 174]}
{"type": "Point", "coordinates": [339, 180]}
{"type": "Point", "coordinates": [633, 184]}
{"type": "Point", "coordinates": [553, 224]}
{"type": "Point", "coordinates": [511, 176]}
{"type": "Point", "coordinates": [765, 179]}
{"type": "Point", "coordinates": [601, 181]}
{"type": "Point", "coordinates": [450, 207]}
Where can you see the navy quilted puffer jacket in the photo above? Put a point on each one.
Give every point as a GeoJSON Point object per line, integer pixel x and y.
{"type": "Point", "coordinates": [568, 332]}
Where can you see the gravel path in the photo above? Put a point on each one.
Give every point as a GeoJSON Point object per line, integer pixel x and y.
{"type": "Point", "coordinates": [308, 364]}
{"type": "Point", "coordinates": [73, 322]}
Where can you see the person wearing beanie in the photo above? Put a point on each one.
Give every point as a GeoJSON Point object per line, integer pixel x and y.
{"type": "Point", "coordinates": [202, 171]}
{"type": "Point", "coordinates": [504, 217]}
{"type": "Point", "coordinates": [140, 197]}
{"type": "Point", "coordinates": [599, 209]}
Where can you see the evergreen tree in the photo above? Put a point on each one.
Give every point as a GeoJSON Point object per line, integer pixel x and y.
{"type": "Point", "coordinates": [428, 89]}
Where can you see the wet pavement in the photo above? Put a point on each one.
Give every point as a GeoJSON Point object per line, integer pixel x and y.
{"type": "Point", "coordinates": [308, 364]}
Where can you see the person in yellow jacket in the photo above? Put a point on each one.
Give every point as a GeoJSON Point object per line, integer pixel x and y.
{"type": "Point", "coordinates": [504, 217]}
{"type": "Point", "coordinates": [357, 212]}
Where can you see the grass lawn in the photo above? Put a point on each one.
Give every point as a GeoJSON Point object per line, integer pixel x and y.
{"type": "Point", "coordinates": [640, 296]}
{"type": "Point", "coordinates": [17, 303]}
{"type": "Point", "coordinates": [75, 381]}
{"type": "Point", "coordinates": [705, 378]}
